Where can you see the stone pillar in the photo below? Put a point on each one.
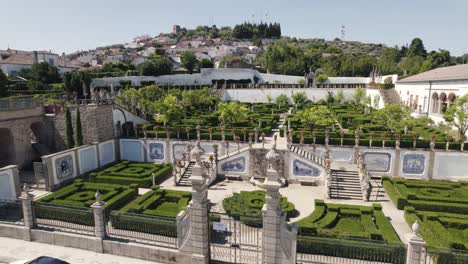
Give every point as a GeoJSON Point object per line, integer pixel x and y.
{"type": "Point", "coordinates": [197, 245]}
{"type": "Point", "coordinates": [28, 214]}
{"type": "Point", "coordinates": [99, 221]}
{"type": "Point", "coordinates": [278, 240]}
{"type": "Point", "coordinates": [415, 254]}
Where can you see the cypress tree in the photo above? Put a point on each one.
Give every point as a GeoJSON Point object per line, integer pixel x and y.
{"type": "Point", "coordinates": [79, 132]}
{"type": "Point", "coordinates": [69, 129]}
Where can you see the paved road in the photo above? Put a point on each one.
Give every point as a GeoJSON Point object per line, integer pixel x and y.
{"type": "Point", "coordinates": [14, 249]}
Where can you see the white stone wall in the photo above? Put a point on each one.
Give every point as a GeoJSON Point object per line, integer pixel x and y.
{"type": "Point", "coordinates": [259, 95]}
{"type": "Point", "coordinates": [373, 93]}
{"type": "Point", "coordinates": [87, 159]}
{"type": "Point", "coordinates": [7, 182]}
{"type": "Point", "coordinates": [106, 152]}
{"type": "Point", "coordinates": [132, 149]}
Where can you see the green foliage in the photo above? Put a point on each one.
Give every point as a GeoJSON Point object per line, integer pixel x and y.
{"type": "Point", "coordinates": [156, 66]}
{"type": "Point", "coordinates": [282, 100]}
{"type": "Point", "coordinates": [170, 109]}
{"type": "Point", "coordinates": [127, 173]}
{"type": "Point", "coordinates": [299, 98]}
{"type": "Point", "coordinates": [359, 96]}
{"type": "Point", "coordinates": [316, 116]}
{"type": "Point", "coordinates": [231, 113]}
{"type": "Point", "coordinates": [72, 202]}
{"type": "Point", "coordinates": [189, 61]}
{"type": "Point", "coordinates": [69, 129]}
{"type": "Point", "coordinates": [205, 63]}
{"type": "Point", "coordinates": [248, 30]}
{"type": "Point", "coordinates": [3, 84]}
{"type": "Point", "coordinates": [79, 132]}
{"type": "Point", "coordinates": [417, 48]}
{"type": "Point", "coordinates": [42, 72]}
{"type": "Point", "coordinates": [348, 221]}
{"type": "Point", "coordinates": [457, 115]}
{"type": "Point", "coordinates": [247, 207]}
{"type": "Point", "coordinates": [282, 58]}
{"type": "Point", "coordinates": [394, 117]}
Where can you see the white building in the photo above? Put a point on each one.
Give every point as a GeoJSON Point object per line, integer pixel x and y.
{"type": "Point", "coordinates": [431, 93]}
{"type": "Point", "coordinates": [13, 61]}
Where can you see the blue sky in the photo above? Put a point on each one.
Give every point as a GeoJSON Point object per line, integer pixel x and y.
{"type": "Point", "coordinates": [70, 25]}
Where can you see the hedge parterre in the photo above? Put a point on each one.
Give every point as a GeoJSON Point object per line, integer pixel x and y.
{"type": "Point", "coordinates": [448, 197]}
{"type": "Point", "coordinates": [72, 203]}
{"type": "Point", "coordinates": [154, 212]}
{"type": "Point", "coordinates": [441, 209]}
{"type": "Point", "coordinates": [247, 207]}
{"type": "Point", "coordinates": [127, 173]}
{"type": "Point", "coordinates": [348, 221]}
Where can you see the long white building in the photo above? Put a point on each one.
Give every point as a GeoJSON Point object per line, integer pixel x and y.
{"type": "Point", "coordinates": [431, 93]}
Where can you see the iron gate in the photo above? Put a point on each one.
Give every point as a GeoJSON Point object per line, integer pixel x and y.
{"type": "Point", "coordinates": [232, 241]}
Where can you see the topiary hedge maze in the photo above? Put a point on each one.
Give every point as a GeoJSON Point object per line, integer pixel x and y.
{"type": "Point", "coordinates": [247, 207]}
{"type": "Point", "coordinates": [348, 221]}
{"type": "Point", "coordinates": [441, 209]}
{"type": "Point", "coordinates": [154, 212]}
{"type": "Point", "coordinates": [350, 231]}
{"type": "Point", "coordinates": [262, 113]}
{"type": "Point", "coordinates": [66, 203]}
{"type": "Point", "coordinates": [127, 173]}
{"type": "Point", "coordinates": [448, 197]}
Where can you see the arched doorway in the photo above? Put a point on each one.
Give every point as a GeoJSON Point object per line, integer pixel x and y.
{"type": "Point", "coordinates": [435, 103]}
{"type": "Point", "coordinates": [39, 139]}
{"type": "Point", "coordinates": [443, 103]}
{"type": "Point", "coordinates": [451, 100]}
{"type": "Point", "coordinates": [7, 147]}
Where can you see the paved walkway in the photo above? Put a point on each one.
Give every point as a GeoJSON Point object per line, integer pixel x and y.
{"type": "Point", "coordinates": [14, 249]}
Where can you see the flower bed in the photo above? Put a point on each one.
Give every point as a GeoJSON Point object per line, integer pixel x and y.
{"type": "Point", "coordinates": [127, 172]}
{"type": "Point", "coordinates": [247, 207]}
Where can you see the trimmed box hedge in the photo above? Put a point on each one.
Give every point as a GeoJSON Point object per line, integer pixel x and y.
{"type": "Point", "coordinates": [127, 172]}
{"type": "Point", "coordinates": [348, 221]}
{"type": "Point", "coordinates": [247, 207]}
{"type": "Point", "coordinates": [154, 212]}
{"type": "Point", "coordinates": [450, 197]}
{"type": "Point", "coordinates": [72, 203]}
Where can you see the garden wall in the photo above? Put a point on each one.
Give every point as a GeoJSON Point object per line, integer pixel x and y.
{"type": "Point", "coordinates": [9, 182]}
{"type": "Point", "coordinates": [62, 167]}
{"type": "Point", "coordinates": [408, 163]}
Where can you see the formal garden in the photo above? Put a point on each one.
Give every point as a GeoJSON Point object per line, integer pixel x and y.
{"type": "Point", "coordinates": [441, 209]}
{"type": "Point", "coordinates": [237, 120]}
{"type": "Point", "coordinates": [118, 187]}
{"type": "Point", "coordinates": [343, 230]}
{"type": "Point", "coordinates": [377, 128]}
{"type": "Point", "coordinates": [127, 173]}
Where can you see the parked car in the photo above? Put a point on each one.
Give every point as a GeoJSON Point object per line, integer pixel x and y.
{"type": "Point", "coordinates": [41, 260]}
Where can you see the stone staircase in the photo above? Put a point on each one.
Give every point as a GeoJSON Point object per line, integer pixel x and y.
{"type": "Point", "coordinates": [301, 152]}
{"type": "Point", "coordinates": [185, 179]}
{"type": "Point", "coordinates": [345, 185]}
{"type": "Point", "coordinates": [390, 96]}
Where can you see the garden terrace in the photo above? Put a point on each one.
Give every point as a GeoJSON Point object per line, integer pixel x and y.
{"type": "Point", "coordinates": [449, 197]}
{"type": "Point", "coordinates": [349, 231]}
{"type": "Point", "coordinates": [154, 212]}
{"type": "Point", "coordinates": [350, 118]}
{"type": "Point", "coordinates": [209, 121]}
{"type": "Point", "coordinates": [78, 197]}
{"type": "Point", "coordinates": [247, 207]}
{"type": "Point", "coordinates": [127, 173]}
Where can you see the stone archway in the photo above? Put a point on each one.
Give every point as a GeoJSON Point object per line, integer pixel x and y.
{"type": "Point", "coordinates": [451, 99]}
{"type": "Point", "coordinates": [39, 132]}
{"type": "Point", "coordinates": [7, 147]}
{"type": "Point", "coordinates": [443, 103]}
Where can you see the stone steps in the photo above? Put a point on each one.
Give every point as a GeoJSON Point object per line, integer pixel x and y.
{"type": "Point", "coordinates": [345, 185]}
{"type": "Point", "coordinates": [185, 179]}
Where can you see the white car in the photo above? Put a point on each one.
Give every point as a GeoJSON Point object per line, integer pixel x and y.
{"type": "Point", "coordinates": [41, 260]}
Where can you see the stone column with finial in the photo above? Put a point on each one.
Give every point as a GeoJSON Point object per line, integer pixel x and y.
{"type": "Point", "coordinates": [279, 240]}
{"type": "Point", "coordinates": [99, 220]}
{"type": "Point", "coordinates": [196, 245]}
{"type": "Point", "coordinates": [28, 214]}
{"type": "Point", "coordinates": [415, 253]}
{"type": "Point", "coordinates": [256, 134]}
